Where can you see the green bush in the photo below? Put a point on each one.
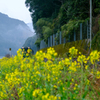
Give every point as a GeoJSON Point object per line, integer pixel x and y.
{"type": "Point", "coordinates": [62, 49]}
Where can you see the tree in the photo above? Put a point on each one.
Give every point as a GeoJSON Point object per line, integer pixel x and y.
{"type": "Point", "coordinates": [50, 16]}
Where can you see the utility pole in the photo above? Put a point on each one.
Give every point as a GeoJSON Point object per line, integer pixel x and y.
{"type": "Point", "coordinates": [10, 51]}
{"type": "Point", "coordinates": [90, 22]}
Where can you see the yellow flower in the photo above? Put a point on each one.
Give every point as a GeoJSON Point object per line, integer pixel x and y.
{"type": "Point", "coordinates": [94, 56]}
{"type": "Point", "coordinates": [86, 66]}
{"type": "Point", "coordinates": [36, 92]}
{"type": "Point", "coordinates": [55, 54]}
{"type": "Point", "coordinates": [98, 74]}
{"type": "Point", "coordinates": [75, 84]}
{"type": "Point", "coordinates": [12, 95]}
{"type": "Point", "coordinates": [81, 59]}
{"type": "Point", "coordinates": [73, 51]}
{"type": "Point", "coordinates": [87, 82]}
{"type": "Point", "coordinates": [72, 80]}
{"type": "Point", "coordinates": [74, 88]}
{"type": "Point", "coordinates": [67, 61]}
{"type": "Point", "coordinates": [55, 86]}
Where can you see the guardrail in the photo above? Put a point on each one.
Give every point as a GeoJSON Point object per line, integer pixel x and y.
{"type": "Point", "coordinates": [83, 32]}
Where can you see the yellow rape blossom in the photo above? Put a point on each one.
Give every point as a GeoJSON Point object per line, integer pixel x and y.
{"type": "Point", "coordinates": [36, 92]}
{"type": "Point", "coordinates": [86, 66]}
{"type": "Point", "coordinates": [73, 51]}
{"type": "Point", "coordinates": [81, 59]}
{"type": "Point", "coordinates": [98, 75]}
{"type": "Point", "coordinates": [94, 56]}
{"type": "Point", "coordinates": [39, 80]}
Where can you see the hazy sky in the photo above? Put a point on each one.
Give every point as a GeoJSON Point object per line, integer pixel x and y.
{"type": "Point", "coordinates": [15, 9]}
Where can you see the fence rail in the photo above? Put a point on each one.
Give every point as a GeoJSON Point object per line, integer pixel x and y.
{"type": "Point", "coordinates": [83, 32]}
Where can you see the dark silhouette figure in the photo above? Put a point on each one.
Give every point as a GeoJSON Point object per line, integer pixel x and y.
{"type": "Point", "coordinates": [27, 50]}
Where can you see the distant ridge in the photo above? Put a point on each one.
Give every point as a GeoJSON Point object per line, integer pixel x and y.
{"type": "Point", "coordinates": [13, 34]}
{"type": "Point", "coordinates": [31, 27]}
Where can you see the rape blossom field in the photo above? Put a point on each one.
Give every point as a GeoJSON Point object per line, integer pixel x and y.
{"type": "Point", "coordinates": [32, 78]}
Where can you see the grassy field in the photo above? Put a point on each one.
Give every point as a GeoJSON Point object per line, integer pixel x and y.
{"type": "Point", "coordinates": [45, 76]}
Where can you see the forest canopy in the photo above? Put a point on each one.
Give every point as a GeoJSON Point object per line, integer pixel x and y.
{"type": "Point", "coordinates": [51, 16]}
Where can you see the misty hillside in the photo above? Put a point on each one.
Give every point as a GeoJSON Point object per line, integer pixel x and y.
{"type": "Point", "coordinates": [31, 27]}
{"type": "Point", "coordinates": [13, 34]}
{"type": "Point", "coordinates": [30, 42]}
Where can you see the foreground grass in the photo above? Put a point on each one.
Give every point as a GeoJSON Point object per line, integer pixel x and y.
{"type": "Point", "coordinates": [34, 78]}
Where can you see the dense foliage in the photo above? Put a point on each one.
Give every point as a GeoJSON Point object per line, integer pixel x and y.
{"type": "Point", "coordinates": [51, 16]}
{"type": "Point", "coordinates": [96, 39]}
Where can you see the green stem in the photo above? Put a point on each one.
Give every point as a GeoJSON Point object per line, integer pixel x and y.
{"type": "Point", "coordinates": [81, 79]}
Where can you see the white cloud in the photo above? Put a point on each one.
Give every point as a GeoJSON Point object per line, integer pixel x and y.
{"type": "Point", "coordinates": [15, 9]}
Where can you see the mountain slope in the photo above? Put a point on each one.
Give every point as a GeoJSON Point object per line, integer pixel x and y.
{"type": "Point", "coordinates": [31, 27]}
{"type": "Point", "coordinates": [30, 42]}
{"type": "Point", "coordinates": [13, 34]}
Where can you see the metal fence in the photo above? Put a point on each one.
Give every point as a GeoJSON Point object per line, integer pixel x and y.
{"type": "Point", "coordinates": [82, 32]}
